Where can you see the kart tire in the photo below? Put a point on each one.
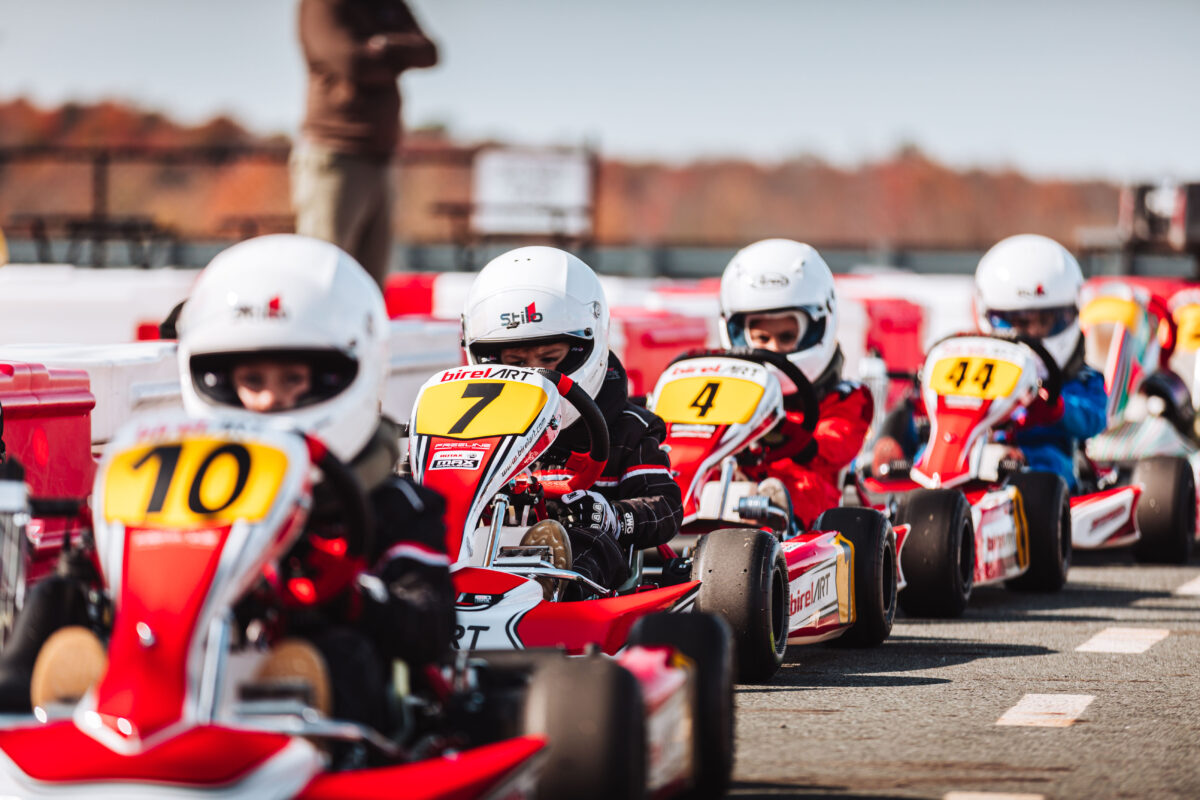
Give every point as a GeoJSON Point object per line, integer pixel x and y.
{"type": "Point", "coordinates": [1047, 507]}
{"type": "Point", "coordinates": [938, 558]}
{"type": "Point", "coordinates": [590, 711]}
{"type": "Point", "coordinates": [744, 579]}
{"type": "Point", "coordinates": [873, 585]}
{"type": "Point", "coordinates": [707, 641]}
{"type": "Point", "coordinates": [1166, 512]}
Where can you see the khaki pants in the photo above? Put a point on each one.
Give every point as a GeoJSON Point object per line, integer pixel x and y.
{"type": "Point", "coordinates": [347, 200]}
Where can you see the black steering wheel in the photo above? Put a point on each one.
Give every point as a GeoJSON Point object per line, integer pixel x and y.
{"type": "Point", "coordinates": [1053, 381]}
{"type": "Point", "coordinates": [804, 400]}
{"type": "Point", "coordinates": [597, 432]}
{"type": "Point", "coordinates": [351, 499]}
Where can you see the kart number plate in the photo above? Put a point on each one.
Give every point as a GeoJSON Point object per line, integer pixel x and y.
{"type": "Point", "coordinates": [474, 409]}
{"type": "Point", "coordinates": [193, 482]}
{"type": "Point", "coordinates": [1188, 319]}
{"type": "Point", "coordinates": [708, 400]}
{"type": "Point", "coordinates": [974, 376]}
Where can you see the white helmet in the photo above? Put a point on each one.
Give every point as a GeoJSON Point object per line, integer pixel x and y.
{"type": "Point", "coordinates": [780, 276]}
{"type": "Point", "coordinates": [1030, 273]}
{"type": "Point", "coordinates": [298, 299]}
{"type": "Point", "coordinates": [538, 295]}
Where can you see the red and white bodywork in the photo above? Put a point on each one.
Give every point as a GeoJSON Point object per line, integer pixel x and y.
{"type": "Point", "coordinates": [188, 515]}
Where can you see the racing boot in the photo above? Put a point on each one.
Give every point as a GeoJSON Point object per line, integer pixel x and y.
{"type": "Point", "coordinates": [50, 604]}
{"type": "Point", "coordinates": [550, 533]}
{"type": "Point", "coordinates": [774, 490]}
{"type": "Point", "coordinates": [72, 661]}
{"type": "Point", "coordinates": [299, 661]}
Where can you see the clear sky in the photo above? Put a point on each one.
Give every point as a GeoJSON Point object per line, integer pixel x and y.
{"type": "Point", "coordinates": [1105, 88]}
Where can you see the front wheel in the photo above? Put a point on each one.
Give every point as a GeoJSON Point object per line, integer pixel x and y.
{"type": "Point", "coordinates": [874, 571]}
{"type": "Point", "coordinates": [590, 712]}
{"type": "Point", "coordinates": [1166, 513]}
{"type": "Point", "coordinates": [743, 579]}
{"type": "Point", "coordinates": [938, 558]}
{"type": "Point", "coordinates": [706, 641]}
{"type": "Point", "coordinates": [1047, 508]}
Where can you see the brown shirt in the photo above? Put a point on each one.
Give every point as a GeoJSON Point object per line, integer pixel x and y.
{"type": "Point", "coordinates": [355, 50]}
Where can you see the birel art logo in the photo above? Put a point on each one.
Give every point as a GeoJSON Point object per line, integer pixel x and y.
{"type": "Point", "coordinates": [272, 309]}
{"type": "Point", "coordinates": [514, 318]}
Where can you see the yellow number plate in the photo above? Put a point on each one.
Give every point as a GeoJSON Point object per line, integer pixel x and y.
{"type": "Point", "coordinates": [1188, 320]}
{"type": "Point", "coordinates": [708, 401]}
{"type": "Point", "coordinates": [193, 482]}
{"type": "Point", "coordinates": [474, 409]}
{"type": "Point", "coordinates": [974, 376]}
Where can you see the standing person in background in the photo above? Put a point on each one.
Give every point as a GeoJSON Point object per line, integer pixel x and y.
{"type": "Point", "coordinates": [355, 50]}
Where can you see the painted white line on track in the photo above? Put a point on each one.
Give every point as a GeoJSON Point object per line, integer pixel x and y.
{"type": "Point", "coordinates": [1123, 640]}
{"type": "Point", "coordinates": [1192, 587]}
{"type": "Point", "coordinates": [1046, 710]}
{"type": "Point", "coordinates": [991, 796]}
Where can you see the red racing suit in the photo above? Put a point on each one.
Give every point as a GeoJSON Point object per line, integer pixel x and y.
{"type": "Point", "coordinates": [810, 464]}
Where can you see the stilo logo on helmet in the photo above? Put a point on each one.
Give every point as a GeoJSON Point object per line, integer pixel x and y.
{"type": "Point", "coordinates": [514, 318]}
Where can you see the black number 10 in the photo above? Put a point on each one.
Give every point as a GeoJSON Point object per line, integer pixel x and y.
{"type": "Point", "coordinates": [168, 461]}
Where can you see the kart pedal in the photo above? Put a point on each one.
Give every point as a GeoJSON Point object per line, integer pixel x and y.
{"type": "Point", "coordinates": [551, 535]}
{"type": "Point", "coordinates": [70, 662]}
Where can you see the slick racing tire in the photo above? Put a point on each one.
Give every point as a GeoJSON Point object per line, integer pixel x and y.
{"type": "Point", "coordinates": [873, 584]}
{"type": "Point", "coordinates": [938, 559]}
{"type": "Point", "coordinates": [743, 578]}
{"type": "Point", "coordinates": [590, 711]}
{"type": "Point", "coordinates": [1047, 508]}
{"type": "Point", "coordinates": [1166, 512]}
{"type": "Point", "coordinates": [706, 640]}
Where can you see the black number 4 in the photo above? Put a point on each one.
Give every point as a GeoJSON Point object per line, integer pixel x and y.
{"type": "Point", "coordinates": [486, 392]}
{"type": "Point", "coordinates": [704, 401]}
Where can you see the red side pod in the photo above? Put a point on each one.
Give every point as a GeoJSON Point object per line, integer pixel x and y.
{"type": "Point", "coordinates": [605, 622]}
{"type": "Point", "coordinates": [166, 577]}
{"type": "Point", "coordinates": [457, 485]}
{"type": "Point", "coordinates": [464, 776]}
{"type": "Point", "coordinates": [205, 756]}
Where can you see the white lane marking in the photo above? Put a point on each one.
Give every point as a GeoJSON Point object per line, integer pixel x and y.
{"type": "Point", "coordinates": [991, 796]}
{"type": "Point", "coordinates": [1192, 587]}
{"type": "Point", "coordinates": [1046, 710]}
{"type": "Point", "coordinates": [1123, 640]}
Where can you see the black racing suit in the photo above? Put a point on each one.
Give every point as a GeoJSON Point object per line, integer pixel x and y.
{"type": "Point", "coordinates": [636, 481]}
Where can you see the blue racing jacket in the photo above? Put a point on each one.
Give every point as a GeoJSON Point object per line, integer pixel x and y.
{"type": "Point", "coordinates": [1051, 448]}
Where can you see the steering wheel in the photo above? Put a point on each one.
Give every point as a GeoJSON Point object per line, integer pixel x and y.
{"type": "Point", "coordinates": [587, 466]}
{"type": "Point", "coordinates": [326, 566]}
{"type": "Point", "coordinates": [1053, 381]}
{"type": "Point", "coordinates": [803, 400]}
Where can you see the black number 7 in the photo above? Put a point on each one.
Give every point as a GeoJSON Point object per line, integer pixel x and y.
{"type": "Point", "coordinates": [486, 392]}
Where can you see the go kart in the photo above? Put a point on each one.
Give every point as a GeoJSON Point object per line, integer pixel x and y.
{"type": "Point", "coordinates": [192, 516]}
{"type": "Point", "coordinates": [836, 581]}
{"type": "Point", "coordinates": [473, 436]}
{"type": "Point", "coordinates": [977, 516]}
{"type": "Point", "coordinates": [1132, 336]}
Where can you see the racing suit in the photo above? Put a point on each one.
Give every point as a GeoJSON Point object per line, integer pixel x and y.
{"type": "Point", "coordinates": [1051, 446]}
{"type": "Point", "coordinates": [810, 465]}
{"type": "Point", "coordinates": [636, 481]}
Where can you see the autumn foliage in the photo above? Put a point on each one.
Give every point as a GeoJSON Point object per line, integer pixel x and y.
{"type": "Point", "coordinates": [907, 200]}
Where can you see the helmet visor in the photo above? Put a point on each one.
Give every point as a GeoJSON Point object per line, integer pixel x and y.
{"type": "Point", "coordinates": [1036, 322]}
{"type": "Point", "coordinates": [783, 330]}
{"type": "Point", "coordinates": [225, 377]}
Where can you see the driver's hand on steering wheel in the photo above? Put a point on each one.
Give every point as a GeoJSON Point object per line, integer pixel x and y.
{"type": "Point", "coordinates": [590, 510]}
{"type": "Point", "coordinates": [1041, 411]}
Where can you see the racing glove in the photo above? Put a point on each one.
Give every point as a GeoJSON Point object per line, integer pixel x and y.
{"type": "Point", "coordinates": [1041, 412]}
{"type": "Point", "coordinates": [590, 510]}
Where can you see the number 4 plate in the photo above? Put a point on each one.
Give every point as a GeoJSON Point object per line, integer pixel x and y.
{"type": "Point", "coordinates": [715, 400]}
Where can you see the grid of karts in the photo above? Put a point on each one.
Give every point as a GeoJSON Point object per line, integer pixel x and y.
{"type": "Point", "coordinates": [178, 711]}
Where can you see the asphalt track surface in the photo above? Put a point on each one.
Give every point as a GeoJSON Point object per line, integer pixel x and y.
{"type": "Point", "coordinates": [918, 716]}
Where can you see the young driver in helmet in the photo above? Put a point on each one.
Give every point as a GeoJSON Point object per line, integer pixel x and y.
{"type": "Point", "coordinates": [1030, 284]}
{"type": "Point", "coordinates": [293, 327]}
{"type": "Point", "coordinates": [543, 307]}
{"type": "Point", "coordinates": [778, 295]}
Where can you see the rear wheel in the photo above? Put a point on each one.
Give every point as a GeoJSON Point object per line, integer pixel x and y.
{"type": "Point", "coordinates": [1166, 513]}
{"type": "Point", "coordinates": [706, 640]}
{"type": "Point", "coordinates": [590, 711]}
{"type": "Point", "coordinates": [938, 558]}
{"type": "Point", "coordinates": [874, 582]}
{"type": "Point", "coordinates": [1047, 507]}
{"type": "Point", "coordinates": [743, 578]}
